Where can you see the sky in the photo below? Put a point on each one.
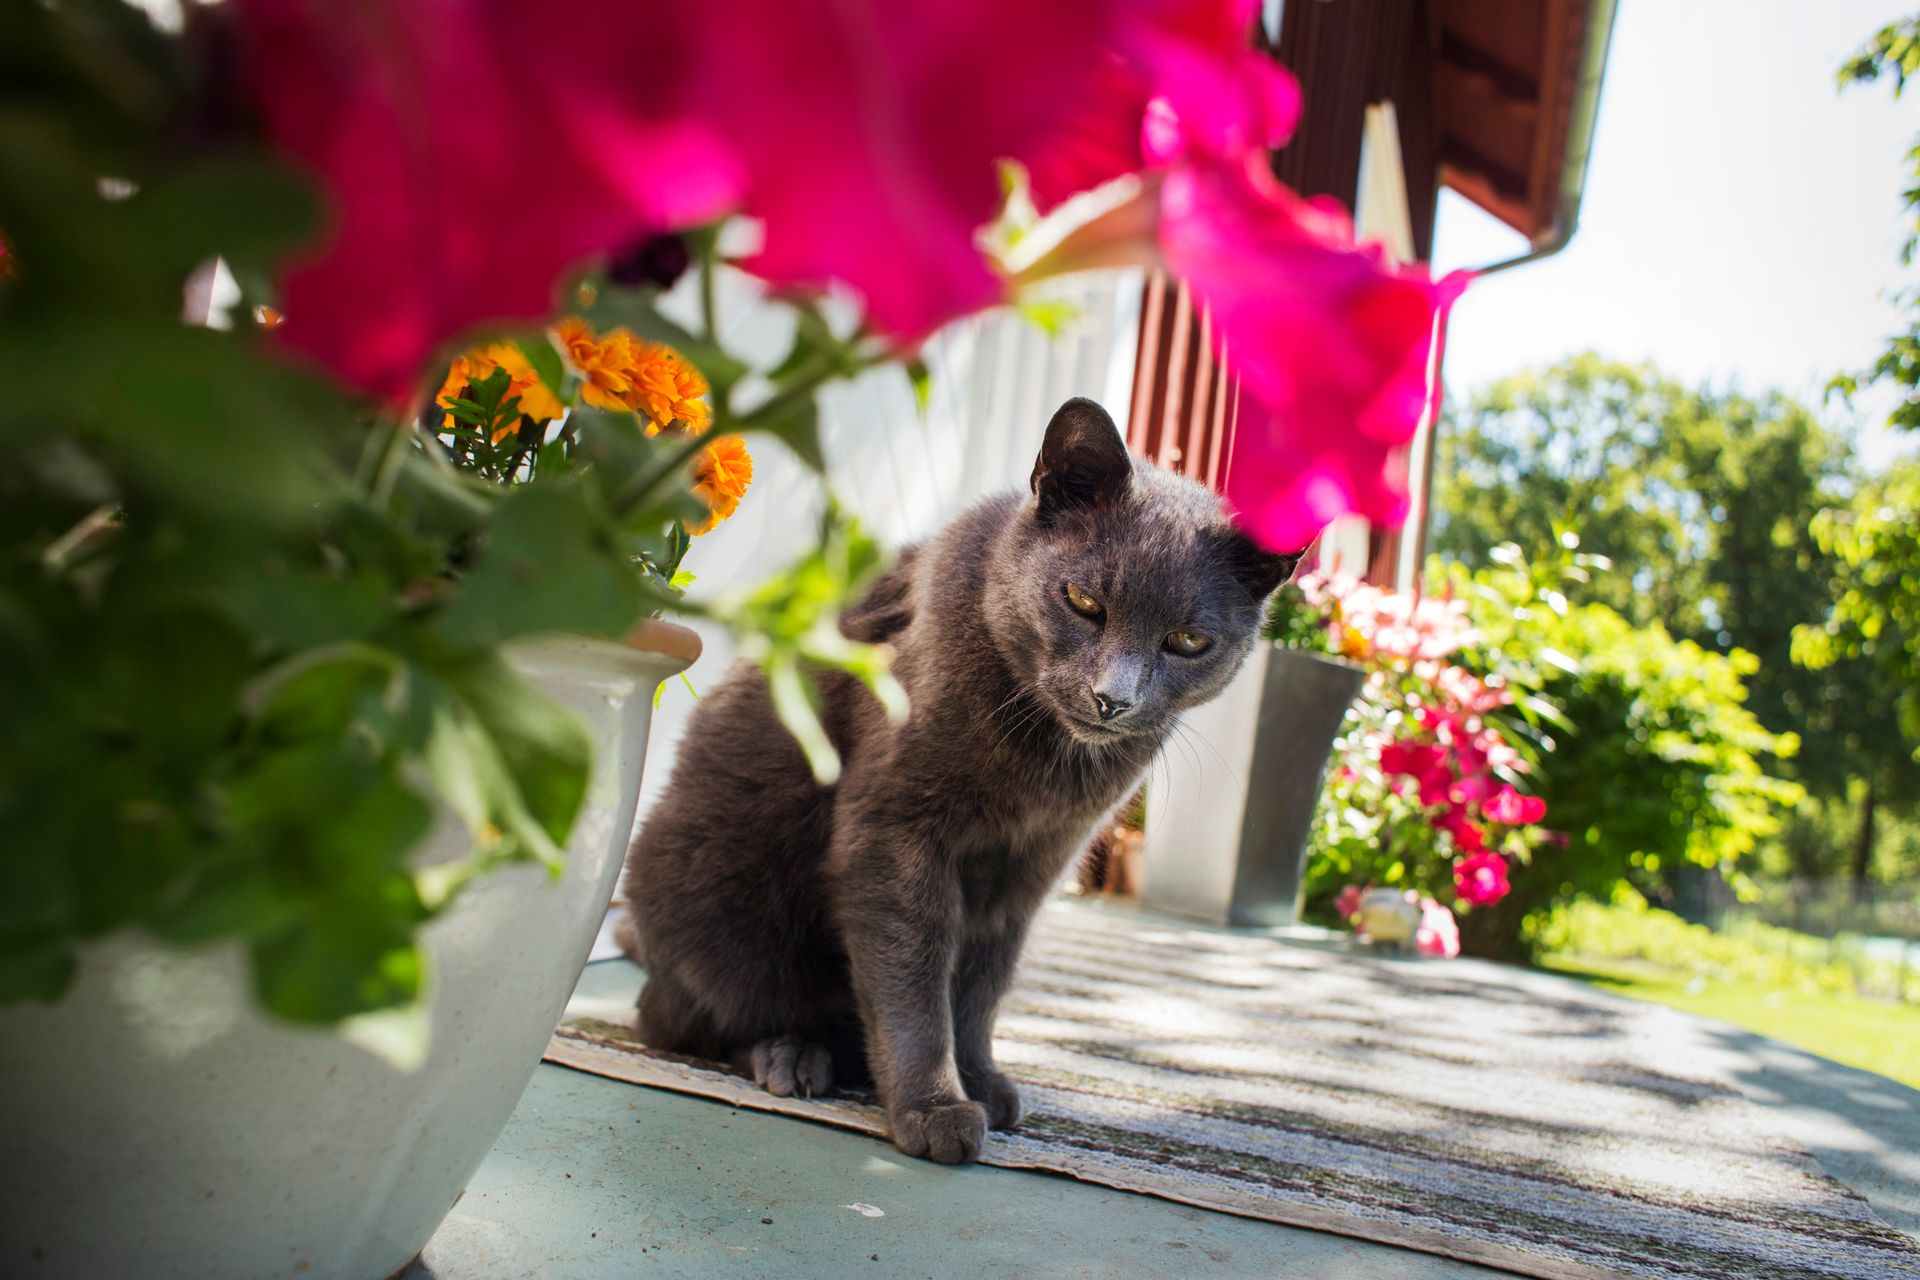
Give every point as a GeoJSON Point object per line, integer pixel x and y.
{"type": "Point", "coordinates": [1742, 216]}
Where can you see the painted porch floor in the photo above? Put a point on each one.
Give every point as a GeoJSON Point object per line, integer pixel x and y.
{"type": "Point", "coordinates": [594, 1178]}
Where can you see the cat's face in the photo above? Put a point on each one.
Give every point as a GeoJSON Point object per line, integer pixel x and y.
{"type": "Point", "coordinates": [1128, 595]}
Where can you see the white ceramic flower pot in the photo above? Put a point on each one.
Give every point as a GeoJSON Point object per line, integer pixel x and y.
{"type": "Point", "coordinates": [153, 1124]}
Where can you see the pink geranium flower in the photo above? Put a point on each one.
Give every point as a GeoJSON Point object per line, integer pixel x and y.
{"type": "Point", "coordinates": [1510, 808]}
{"type": "Point", "coordinates": [1439, 933]}
{"type": "Point", "coordinates": [1480, 878]}
{"type": "Point", "coordinates": [1467, 834]}
{"type": "Point", "coordinates": [1415, 759]}
{"type": "Point", "coordinates": [1347, 901]}
{"type": "Point", "coordinates": [1436, 785]}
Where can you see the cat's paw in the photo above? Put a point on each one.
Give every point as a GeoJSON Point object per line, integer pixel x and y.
{"type": "Point", "coordinates": [787, 1065]}
{"type": "Point", "coordinates": [1000, 1096]}
{"type": "Point", "coordinates": [949, 1133]}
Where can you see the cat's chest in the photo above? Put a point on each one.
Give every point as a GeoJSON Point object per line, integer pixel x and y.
{"type": "Point", "coordinates": [1021, 841]}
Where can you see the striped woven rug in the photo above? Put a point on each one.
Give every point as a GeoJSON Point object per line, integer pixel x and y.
{"type": "Point", "coordinates": [1548, 1135]}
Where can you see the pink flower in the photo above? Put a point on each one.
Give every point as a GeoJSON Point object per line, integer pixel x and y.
{"type": "Point", "coordinates": [1466, 833]}
{"type": "Point", "coordinates": [1509, 808]}
{"type": "Point", "coordinates": [870, 131]}
{"type": "Point", "coordinates": [1181, 78]}
{"type": "Point", "coordinates": [1436, 785]}
{"type": "Point", "coordinates": [476, 150]}
{"type": "Point", "coordinates": [1331, 343]}
{"type": "Point", "coordinates": [1347, 901]}
{"type": "Point", "coordinates": [1415, 759]}
{"type": "Point", "coordinates": [1480, 878]}
{"type": "Point", "coordinates": [1439, 933]}
{"type": "Point", "coordinates": [1330, 340]}
{"type": "Point", "coordinates": [1469, 692]}
{"type": "Point", "coordinates": [1471, 789]}
{"type": "Point", "coordinates": [458, 194]}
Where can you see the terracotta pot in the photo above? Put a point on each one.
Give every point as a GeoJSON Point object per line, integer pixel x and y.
{"type": "Point", "coordinates": [153, 1123]}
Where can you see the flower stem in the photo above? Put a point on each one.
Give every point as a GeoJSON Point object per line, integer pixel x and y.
{"type": "Point", "coordinates": [707, 242]}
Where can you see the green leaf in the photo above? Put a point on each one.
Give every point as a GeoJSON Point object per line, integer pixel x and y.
{"type": "Point", "coordinates": [544, 746]}
{"type": "Point", "coordinates": [1052, 316]}
{"type": "Point", "coordinates": [548, 565]}
{"type": "Point", "coordinates": [317, 695]}
{"type": "Point", "coordinates": [356, 955]}
{"type": "Point", "coordinates": [545, 359]}
{"type": "Point", "coordinates": [922, 379]}
{"type": "Point", "coordinates": [301, 607]}
{"type": "Point", "coordinates": [166, 398]}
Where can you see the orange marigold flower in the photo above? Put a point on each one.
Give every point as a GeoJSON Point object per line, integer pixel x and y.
{"type": "Point", "coordinates": [537, 400]}
{"type": "Point", "coordinates": [721, 475]}
{"type": "Point", "coordinates": [667, 389]}
{"type": "Point", "coordinates": [604, 361]}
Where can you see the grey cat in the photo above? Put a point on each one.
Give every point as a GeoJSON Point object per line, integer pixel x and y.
{"type": "Point", "coordinates": [869, 929]}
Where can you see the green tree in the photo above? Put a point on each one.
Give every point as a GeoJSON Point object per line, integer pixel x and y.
{"type": "Point", "coordinates": [1874, 621]}
{"type": "Point", "coordinates": [1652, 763]}
{"type": "Point", "coordinates": [1705, 500]}
{"type": "Point", "coordinates": [1893, 54]}
{"type": "Point", "coordinates": [1875, 539]}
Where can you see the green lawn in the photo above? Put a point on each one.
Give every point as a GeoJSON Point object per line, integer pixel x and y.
{"type": "Point", "coordinates": [1871, 1034]}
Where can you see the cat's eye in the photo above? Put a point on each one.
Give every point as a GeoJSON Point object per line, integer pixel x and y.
{"type": "Point", "coordinates": [1084, 603]}
{"type": "Point", "coordinates": [1188, 644]}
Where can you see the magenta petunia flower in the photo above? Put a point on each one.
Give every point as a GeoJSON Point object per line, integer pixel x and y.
{"type": "Point", "coordinates": [870, 132]}
{"type": "Point", "coordinates": [1480, 878]}
{"type": "Point", "coordinates": [456, 192]}
{"type": "Point", "coordinates": [474, 151]}
{"type": "Point", "coordinates": [1330, 340]}
{"type": "Point", "coordinates": [1180, 79]}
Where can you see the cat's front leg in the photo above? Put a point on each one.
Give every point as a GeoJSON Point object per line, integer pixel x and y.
{"type": "Point", "coordinates": [898, 909]}
{"type": "Point", "coordinates": [980, 980]}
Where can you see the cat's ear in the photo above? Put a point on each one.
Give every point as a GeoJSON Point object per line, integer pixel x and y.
{"type": "Point", "coordinates": [1083, 462]}
{"type": "Point", "coordinates": [1258, 570]}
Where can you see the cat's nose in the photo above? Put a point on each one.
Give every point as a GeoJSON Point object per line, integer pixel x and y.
{"type": "Point", "coordinates": [1110, 708]}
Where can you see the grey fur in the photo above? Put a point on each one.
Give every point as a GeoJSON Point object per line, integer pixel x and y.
{"type": "Point", "coordinates": [875, 925]}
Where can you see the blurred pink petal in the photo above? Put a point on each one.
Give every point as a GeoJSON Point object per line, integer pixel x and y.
{"type": "Point", "coordinates": [1329, 339]}
{"type": "Point", "coordinates": [1099, 141]}
{"type": "Point", "coordinates": [1439, 933]}
{"type": "Point", "coordinates": [476, 150]}
{"type": "Point", "coordinates": [1467, 835]}
{"type": "Point", "coordinates": [871, 132]}
{"type": "Point", "coordinates": [1181, 77]}
{"type": "Point", "coordinates": [458, 196]}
